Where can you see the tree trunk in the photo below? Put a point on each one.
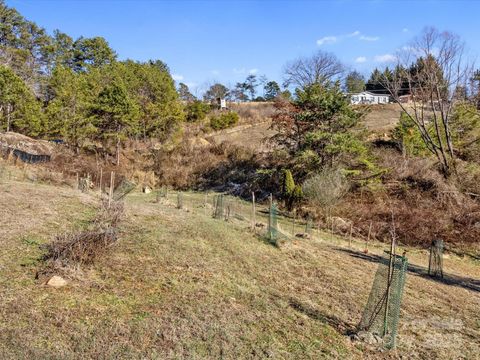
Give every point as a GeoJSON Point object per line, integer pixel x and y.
{"type": "Point", "coordinates": [8, 117]}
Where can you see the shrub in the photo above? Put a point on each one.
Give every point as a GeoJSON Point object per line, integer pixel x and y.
{"type": "Point", "coordinates": [224, 120]}
{"type": "Point", "coordinates": [289, 184]}
{"type": "Point", "coordinates": [197, 111]}
{"type": "Point", "coordinates": [465, 125]}
{"type": "Point", "coordinates": [407, 133]}
{"type": "Point", "coordinates": [326, 188]}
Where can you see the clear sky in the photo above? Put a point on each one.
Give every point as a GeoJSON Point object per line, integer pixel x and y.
{"type": "Point", "coordinates": [206, 41]}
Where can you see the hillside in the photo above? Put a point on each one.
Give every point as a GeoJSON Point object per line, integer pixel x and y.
{"type": "Point", "coordinates": [180, 284]}
{"type": "Point", "coordinates": [253, 130]}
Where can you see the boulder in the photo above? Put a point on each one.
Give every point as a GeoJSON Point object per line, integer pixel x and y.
{"type": "Point", "coordinates": [56, 282]}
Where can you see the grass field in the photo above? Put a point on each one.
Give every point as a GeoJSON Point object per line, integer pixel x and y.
{"type": "Point", "coordinates": [180, 284]}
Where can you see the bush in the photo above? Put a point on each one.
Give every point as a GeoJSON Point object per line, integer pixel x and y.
{"type": "Point", "coordinates": [224, 120]}
{"type": "Point", "coordinates": [197, 111]}
{"type": "Point", "coordinates": [326, 188]}
{"type": "Point", "coordinates": [289, 184]}
{"type": "Point", "coordinates": [408, 135]}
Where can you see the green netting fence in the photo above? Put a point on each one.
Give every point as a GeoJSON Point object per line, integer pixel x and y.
{"type": "Point", "coordinates": [382, 312]}
{"type": "Point", "coordinates": [123, 189]}
{"type": "Point", "coordinates": [218, 206]}
{"type": "Point", "coordinates": [234, 209]}
{"type": "Point", "coordinates": [179, 200]}
{"type": "Point", "coordinates": [308, 227]}
{"type": "Point", "coordinates": [162, 193]}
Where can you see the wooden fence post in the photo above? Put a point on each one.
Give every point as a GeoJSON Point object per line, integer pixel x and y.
{"type": "Point", "coordinates": [101, 181]}
{"type": "Point", "coordinates": [294, 217]}
{"type": "Point", "coordinates": [110, 194]}
{"type": "Point", "coordinates": [350, 237]}
{"type": "Point", "coordinates": [368, 237]}
{"type": "Point", "coordinates": [253, 212]}
{"type": "Point", "coordinates": [205, 204]}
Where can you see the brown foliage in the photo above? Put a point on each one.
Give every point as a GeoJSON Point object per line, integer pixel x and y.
{"type": "Point", "coordinates": [424, 204]}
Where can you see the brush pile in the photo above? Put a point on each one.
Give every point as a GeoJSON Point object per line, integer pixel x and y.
{"type": "Point", "coordinates": [82, 248]}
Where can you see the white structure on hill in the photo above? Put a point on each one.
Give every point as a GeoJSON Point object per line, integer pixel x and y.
{"type": "Point", "coordinates": [366, 97]}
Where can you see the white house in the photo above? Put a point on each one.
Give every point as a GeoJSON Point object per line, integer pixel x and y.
{"type": "Point", "coordinates": [366, 97]}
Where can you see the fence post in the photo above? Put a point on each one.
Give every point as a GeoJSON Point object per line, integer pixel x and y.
{"type": "Point", "coordinates": [331, 228]}
{"type": "Point", "coordinates": [368, 237]}
{"type": "Point", "coordinates": [294, 216]}
{"type": "Point", "coordinates": [350, 237]}
{"type": "Point", "coordinates": [110, 193]}
{"type": "Point", "coordinates": [389, 282]}
{"type": "Point", "coordinates": [205, 204]}
{"type": "Point", "coordinates": [270, 212]}
{"type": "Point", "coordinates": [253, 212]}
{"type": "Point", "coordinates": [101, 181]}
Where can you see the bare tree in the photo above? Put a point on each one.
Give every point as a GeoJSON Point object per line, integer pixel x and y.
{"type": "Point", "coordinates": [320, 68]}
{"type": "Point", "coordinates": [325, 189]}
{"type": "Point", "coordinates": [431, 70]}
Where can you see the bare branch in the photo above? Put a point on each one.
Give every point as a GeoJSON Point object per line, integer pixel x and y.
{"type": "Point", "coordinates": [320, 68]}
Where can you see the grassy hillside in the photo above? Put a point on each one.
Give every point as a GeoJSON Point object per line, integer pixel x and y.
{"type": "Point", "coordinates": [180, 284]}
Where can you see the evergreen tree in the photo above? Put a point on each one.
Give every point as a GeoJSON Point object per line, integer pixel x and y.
{"type": "Point", "coordinates": [354, 82]}
{"type": "Point", "coordinates": [271, 90]}
{"type": "Point", "coordinates": [316, 129]}
{"type": "Point", "coordinates": [184, 93]}
{"type": "Point", "coordinates": [216, 91]}
{"type": "Point", "coordinates": [115, 114]}
{"type": "Point", "coordinates": [92, 52]}
{"type": "Point", "coordinates": [19, 109]}
{"type": "Point", "coordinates": [250, 85]}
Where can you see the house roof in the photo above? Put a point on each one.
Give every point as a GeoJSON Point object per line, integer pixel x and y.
{"type": "Point", "coordinates": [370, 93]}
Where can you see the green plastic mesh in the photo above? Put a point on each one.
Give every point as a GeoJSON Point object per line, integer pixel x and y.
{"type": "Point", "coordinates": [85, 183]}
{"type": "Point", "coordinates": [179, 200]}
{"type": "Point", "coordinates": [229, 208]}
{"type": "Point", "coordinates": [435, 263]}
{"type": "Point", "coordinates": [308, 226]}
{"type": "Point", "coordinates": [218, 206]}
{"type": "Point", "coordinates": [161, 193]}
{"type": "Point", "coordinates": [272, 230]}
{"type": "Point", "coordinates": [123, 189]}
{"type": "Point", "coordinates": [382, 312]}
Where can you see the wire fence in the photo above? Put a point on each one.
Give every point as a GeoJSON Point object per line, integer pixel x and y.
{"type": "Point", "coordinates": [382, 312]}
{"type": "Point", "coordinates": [263, 219]}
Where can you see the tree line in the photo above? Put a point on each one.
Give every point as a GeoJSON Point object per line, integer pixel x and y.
{"type": "Point", "coordinates": [55, 86]}
{"type": "Point", "coordinates": [246, 90]}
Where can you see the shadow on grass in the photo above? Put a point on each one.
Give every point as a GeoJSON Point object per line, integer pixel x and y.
{"type": "Point", "coordinates": [341, 326]}
{"type": "Point", "coordinates": [448, 279]}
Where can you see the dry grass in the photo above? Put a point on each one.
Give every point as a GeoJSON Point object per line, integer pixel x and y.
{"type": "Point", "coordinates": [253, 112]}
{"type": "Point", "coordinates": [179, 284]}
{"type": "Point", "coordinates": [381, 119]}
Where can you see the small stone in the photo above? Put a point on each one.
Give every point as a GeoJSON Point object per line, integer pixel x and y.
{"type": "Point", "coordinates": [56, 282]}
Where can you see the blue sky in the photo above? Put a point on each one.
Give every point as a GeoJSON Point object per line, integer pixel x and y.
{"type": "Point", "coordinates": [206, 41]}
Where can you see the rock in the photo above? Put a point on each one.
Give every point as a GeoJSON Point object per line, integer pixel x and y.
{"type": "Point", "coordinates": [367, 337]}
{"type": "Point", "coordinates": [303, 235]}
{"type": "Point", "coordinates": [56, 282]}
